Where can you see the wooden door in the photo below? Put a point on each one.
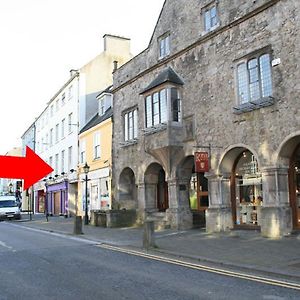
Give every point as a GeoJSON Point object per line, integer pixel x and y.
{"type": "Point", "coordinates": [57, 203]}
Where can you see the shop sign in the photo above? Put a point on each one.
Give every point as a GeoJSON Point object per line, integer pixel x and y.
{"type": "Point", "coordinates": [201, 162]}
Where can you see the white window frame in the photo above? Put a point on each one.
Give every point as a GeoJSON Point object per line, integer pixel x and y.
{"type": "Point", "coordinates": [82, 152]}
{"type": "Point", "coordinates": [62, 161]}
{"type": "Point", "coordinates": [70, 116]}
{"type": "Point", "coordinates": [130, 119]}
{"type": "Point", "coordinates": [263, 77]}
{"type": "Point", "coordinates": [63, 121]}
{"type": "Point", "coordinates": [102, 106]}
{"type": "Point", "coordinates": [164, 45]}
{"type": "Point", "coordinates": [97, 145]}
{"type": "Point", "coordinates": [70, 157]}
{"type": "Point", "coordinates": [208, 23]}
{"type": "Point", "coordinates": [56, 133]}
{"type": "Point", "coordinates": [51, 137]}
{"type": "Point", "coordinates": [56, 163]}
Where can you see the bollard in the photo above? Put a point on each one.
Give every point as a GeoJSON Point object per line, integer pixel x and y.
{"type": "Point", "coordinates": [78, 225]}
{"type": "Point", "coordinates": [148, 238]}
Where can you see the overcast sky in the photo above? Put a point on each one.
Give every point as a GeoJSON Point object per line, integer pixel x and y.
{"type": "Point", "coordinates": [41, 40]}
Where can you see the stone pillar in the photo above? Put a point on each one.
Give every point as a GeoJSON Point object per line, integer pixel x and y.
{"type": "Point", "coordinates": [179, 213]}
{"type": "Point", "coordinates": [141, 211]}
{"type": "Point", "coordinates": [219, 214]}
{"type": "Point", "coordinates": [148, 236]}
{"type": "Point", "coordinates": [276, 214]}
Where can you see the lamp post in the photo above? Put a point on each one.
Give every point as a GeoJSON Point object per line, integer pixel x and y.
{"type": "Point", "coordinates": [86, 169]}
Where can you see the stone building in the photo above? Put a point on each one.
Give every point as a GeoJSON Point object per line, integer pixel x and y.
{"type": "Point", "coordinates": [219, 80]}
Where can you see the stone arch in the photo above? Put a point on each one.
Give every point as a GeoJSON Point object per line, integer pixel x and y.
{"type": "Point", "coordinates": [286, 149]}
{"type": "Point", "coordinates": [127, 189]}
{"type": "Point", "coordinates": [231, 154]}
{"type": "Point", "coordinates": [241, 184]}
{"type": "Point", "coordinates": [288, 158]}
{"type": "Point", "coordinates": [156, 188]}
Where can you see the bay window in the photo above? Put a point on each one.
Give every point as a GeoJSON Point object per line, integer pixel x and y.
{"type": "Point", "coordinates": [162, 106]}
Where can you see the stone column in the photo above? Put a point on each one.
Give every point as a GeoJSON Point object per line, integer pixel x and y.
{"type": "Point", "coordinates": [276, 214]}
{"type": "Point", "coordinates": [179, 213]}
{"type": "Point", "coordinates": [141, 214]}
{"type": "Point", "coordinates": [147, 197]}
{"type": "Point", "coordinates": [219, 214]}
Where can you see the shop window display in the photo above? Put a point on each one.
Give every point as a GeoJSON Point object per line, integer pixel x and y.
{"type": "Point", "coordinates": [248, 190]}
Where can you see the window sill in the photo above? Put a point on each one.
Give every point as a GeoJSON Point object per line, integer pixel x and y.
{"type": "Point", "coordinates": [210, 29]}
{"type": "Point", "coordinates": [128, 143]}
{"type": "Point", "coordinates": [154, 129]}
{"type": "Point", "coordinates": [253, 105]}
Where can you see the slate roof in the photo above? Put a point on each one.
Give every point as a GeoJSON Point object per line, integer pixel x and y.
{"type": "Point", "coordinates": [107, 90]}
{"type": "Point", "coordinates": [97, 120]}
{"type": "Point", "coordinates": [167, 75]}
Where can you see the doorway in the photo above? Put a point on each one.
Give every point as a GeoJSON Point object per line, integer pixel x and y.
{"type": "Point", "coordinates": [294, 180]}
{"type": "Point", "coordinates": [162, 192]}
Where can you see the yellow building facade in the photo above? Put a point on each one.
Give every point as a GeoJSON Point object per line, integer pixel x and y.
{"type": "Point", "coordinates": [95, 140]}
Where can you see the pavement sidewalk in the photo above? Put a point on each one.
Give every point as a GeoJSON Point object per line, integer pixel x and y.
{"type": "Point", "coordinates": [238, 249]}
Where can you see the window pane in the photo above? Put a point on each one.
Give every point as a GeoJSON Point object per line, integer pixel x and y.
{"type": "Point", "coordinates": [254, 91]}
{"type": "Point", "coordinates": [207, 20]}
{"type": "Point", "coordinates": [243, 83]}
{"type": "Point", "coordinates": [135, 124]}
{"type": "Point", "coordinates": [253, 79]}
{"type": "Point", "coordinates": [213, 15]}
{"type": "Point", "coordinates": [167, 45]}
{"type": "Point", "coordinates": [148, 111]}
{"type": "Point", "coordinates": [163, 105]}
{"type": "Point", "coordinates": [126, 127]}
{"type": "Point", "coordinates": [175, 105]}
{"type": "Point", "coordinates": [130, 125]}
{"type": "Point", "coordinates": [265, 74]}
{"type": "Point", "coordinates": [155, 109]}
{"type": "Point", "coordinates": [162, 48]}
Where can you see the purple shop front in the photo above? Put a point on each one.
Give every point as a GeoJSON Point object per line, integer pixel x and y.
{"type": "Point", "coordinates": [57, 198]}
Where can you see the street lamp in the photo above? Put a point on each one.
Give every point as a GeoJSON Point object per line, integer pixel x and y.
{"type": "Point", "coordinates": [86, 169]}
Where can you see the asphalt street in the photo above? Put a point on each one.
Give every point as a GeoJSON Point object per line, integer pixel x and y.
{"type": "Point", "coordinates": [40, 265]}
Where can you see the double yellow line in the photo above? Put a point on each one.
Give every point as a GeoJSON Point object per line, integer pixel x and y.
{"type": "Point", "coordinates": [199, 267]}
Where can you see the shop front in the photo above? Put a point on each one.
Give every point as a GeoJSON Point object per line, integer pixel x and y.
{"type": "Point", "coordinates": [57, 198]}
{"type": "Point", "coordinates": [39, 197]}
{"type": "Point", "coordinates": [294, 187]}
{"type": "Point", "coordinates": [98, 190]}
{"type": "Point", "coordinates": [246, 191]}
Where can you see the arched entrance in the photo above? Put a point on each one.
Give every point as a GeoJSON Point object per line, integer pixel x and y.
{"type": "Point", "coordinates": [156, 188]}
{"type": "Point", "coordinates": [246, 190]}
{"type": "Point", "coordinates": [294, 186]}
{"type": "Point", "coordinates": [127, 190]}
{"type": "Point", "coordinates": [197, 196]}
{"type": "Point", "coordinates": [289, 157]}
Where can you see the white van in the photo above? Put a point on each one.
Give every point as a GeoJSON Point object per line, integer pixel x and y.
{"type": "Point", "coordinates": [9, 208]}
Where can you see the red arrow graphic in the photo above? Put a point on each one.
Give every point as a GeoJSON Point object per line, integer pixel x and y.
{"type": "Point", "coordinates": [31, 168]}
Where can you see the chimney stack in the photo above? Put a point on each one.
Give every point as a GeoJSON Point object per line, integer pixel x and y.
{"type": "Point", "coordinates": [115, 66]}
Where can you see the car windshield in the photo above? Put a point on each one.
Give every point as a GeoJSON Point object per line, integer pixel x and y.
{"type": "Point", "coordinates": [8, 203]}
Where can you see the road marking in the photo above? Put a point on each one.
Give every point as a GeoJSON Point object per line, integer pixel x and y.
{"type": "Point", "coordinates": [3, 244]}
{"type": "Point", "coordinates": [199, 267]}
{"type": "Point", "coordinates": [62, 235]}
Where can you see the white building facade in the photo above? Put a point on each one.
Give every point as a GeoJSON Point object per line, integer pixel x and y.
{"type": "Point", "coordinates": [56, 143]}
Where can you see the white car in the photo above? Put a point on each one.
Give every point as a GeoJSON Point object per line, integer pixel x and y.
{"type": "Point", "coordinates": [9, 208]}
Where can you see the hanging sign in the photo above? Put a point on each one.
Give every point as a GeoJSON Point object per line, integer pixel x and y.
{"type": "Point", "coordinates": [201, 162]}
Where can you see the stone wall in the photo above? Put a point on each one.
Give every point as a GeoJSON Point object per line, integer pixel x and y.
{"type": "Point", "coordinates": [207, 64]}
